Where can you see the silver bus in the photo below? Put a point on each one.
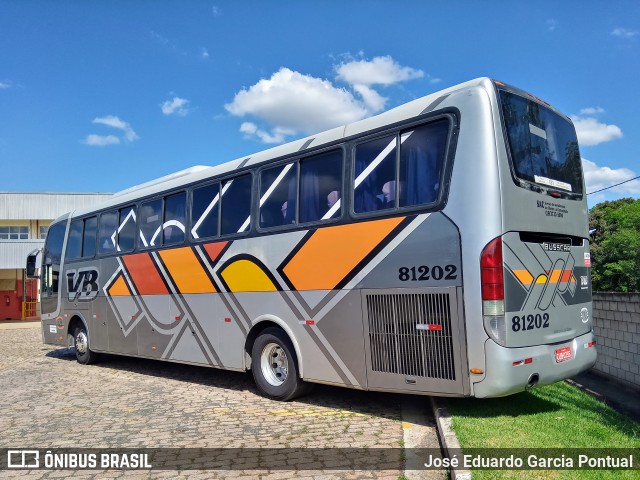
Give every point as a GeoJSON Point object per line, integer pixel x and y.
{"type": "Point", "coordinates": [439, 248]}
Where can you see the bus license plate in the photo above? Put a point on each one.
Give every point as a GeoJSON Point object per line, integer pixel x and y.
{"type": "Point", "coordinates": [563, 354]}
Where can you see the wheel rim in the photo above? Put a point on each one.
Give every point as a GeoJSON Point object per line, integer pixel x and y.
{"type": "Point", "coordinates": [274, 364]}
{"type": "Point", "coordinates": [82, 342]}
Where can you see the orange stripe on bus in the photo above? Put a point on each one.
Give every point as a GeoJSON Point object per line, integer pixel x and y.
{"type": "Point", "coordinates": [214, 249]}
{"type": "Point", "coordinates": [144, 274]}
{"type": "Point", "coordinates": [186, 271]}
{"type": "Point", "coordinates": [119, 288]}
{"type": "Point", "coordinates": [330, 254]}
{"type": "Point", "coordinates": [567, 276]}
{"type": "Point", "coordinates": [557, 276]}
{"type": "Point", "coordinates": [524, 276]}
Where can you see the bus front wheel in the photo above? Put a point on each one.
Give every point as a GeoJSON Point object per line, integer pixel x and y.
{"type": "Point", "coordinates": [81, 343]}
{"type": "Point", "coordinates": [275, 367]}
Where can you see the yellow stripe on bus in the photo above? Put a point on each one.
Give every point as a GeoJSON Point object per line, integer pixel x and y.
{"type": "Point", "coordinates": [245, 276]}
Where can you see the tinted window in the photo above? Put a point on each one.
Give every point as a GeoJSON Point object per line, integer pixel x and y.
{"type": "Point", "coordinates": [543, 145]}
{"type": "Point", "coordinates": [278, 193]}
{"type": "Point", "coordinates": [89, 237]}
{"type": "Point", "coordinates": [205, 211]}
{"type": "Point", "coordinates": [51, 259]}
{"type": "Point", "coordinates": [74, 242]}
{"type": "Point", "coordinates": [320, 186]}
{"type": "Point", "coordinates": [173, 228]}
{"type": "Point", "coordinates": [375, 175]}
{"type": "Point", "coordinates": [422, 152]}
{"type": "Point", "coordinates": [107, 233]}
{"type": "Point", "coordinates": [127, 229]}
{"type": "Point", "coordinates": [236, 205]}
{"type": "Point", "coordinates": [150, 221]}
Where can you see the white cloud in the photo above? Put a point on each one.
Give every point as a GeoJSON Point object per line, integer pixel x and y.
{"type": "Point", "coordinates": [379, 71]}
{"type": "Point", "coordinates": [128, 135]}
{"type": "Point", "coordinates": [597, 177]}
{"type": "Point", "coordinates": [4, 85]}
{"type": "Point", "coordinates": [115, 122]}
{"type": "Point", "coordinates": [204, 53]}
{"type": "Point", "coordinates": [592, 111]}
{"type": "Point", "coordinates": [101, 140]}
{"type": "Point", "coordinates": [277, 135]}
{"type": "Point", "coordinates": [591, 131]}
{"type": "Point", "coordinates": [624, 33]}
{"type": "Point", "coordinates": [552, 24]}
{"type": "Point", "coordinates": [175, 106]}
{"type": "Point", "coordinates": [292, 102]}
{"type": "Point", "coordinates": [372, 99]}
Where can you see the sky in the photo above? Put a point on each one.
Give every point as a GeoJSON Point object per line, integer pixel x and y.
{"type": "Point", "coordinates": [103, 95]}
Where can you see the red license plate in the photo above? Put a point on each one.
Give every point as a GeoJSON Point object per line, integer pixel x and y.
{"type": "Point", "coordinates": [563, 354]}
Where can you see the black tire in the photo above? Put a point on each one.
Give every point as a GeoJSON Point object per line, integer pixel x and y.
{"type": "Point", "coordinates": [84, 355]}
{"type": "Point", "coordinates": [279, 378]}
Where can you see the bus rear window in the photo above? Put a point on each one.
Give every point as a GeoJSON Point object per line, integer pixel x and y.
{"type": "Point", "coordinates": [543, 145]}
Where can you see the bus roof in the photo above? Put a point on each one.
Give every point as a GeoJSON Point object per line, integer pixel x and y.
{"type": "Point", "coordinates": [198, 173]}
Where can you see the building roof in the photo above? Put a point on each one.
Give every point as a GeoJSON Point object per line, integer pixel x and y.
{"type": "Point", "coordinates": [44, 206]}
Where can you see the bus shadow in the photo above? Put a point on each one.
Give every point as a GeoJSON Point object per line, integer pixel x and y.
{"type": "Point", "coordinates": [511, 406]}
{"type": "Point", "coordinates": [379, 404]}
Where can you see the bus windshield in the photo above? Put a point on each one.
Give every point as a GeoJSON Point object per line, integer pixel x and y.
{"type": "Point", "coordinates": [544, 146]}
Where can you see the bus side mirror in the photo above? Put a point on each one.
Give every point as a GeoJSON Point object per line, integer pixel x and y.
{"type": "Point", "coordinates": [32, 259]}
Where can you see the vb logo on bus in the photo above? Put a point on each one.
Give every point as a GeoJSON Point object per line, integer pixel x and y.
{"type": "Point", "coordinates": [82, 284]}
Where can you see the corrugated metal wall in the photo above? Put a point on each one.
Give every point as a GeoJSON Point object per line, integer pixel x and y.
{"type": "Point", "coordinates": [13, 253]}
{"type": "Point", "coordinates": [44, 206]}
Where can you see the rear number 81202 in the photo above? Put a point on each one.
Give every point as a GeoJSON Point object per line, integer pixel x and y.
{"type": "Point", "coordinates": [520, 323]}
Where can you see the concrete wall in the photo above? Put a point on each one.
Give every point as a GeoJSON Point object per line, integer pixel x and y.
{"type": "Point", "coordinates": [617, 328]}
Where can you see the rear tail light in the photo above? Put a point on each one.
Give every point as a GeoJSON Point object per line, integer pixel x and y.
{"type": "Point", "coordinates": [492, 284]}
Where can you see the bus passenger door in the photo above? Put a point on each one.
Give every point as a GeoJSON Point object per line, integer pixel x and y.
{"type": "Point", "coordinates": [99, 327]}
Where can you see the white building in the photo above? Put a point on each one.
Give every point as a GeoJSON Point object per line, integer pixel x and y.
{"type": "Point", "coordinates": [24, 219]}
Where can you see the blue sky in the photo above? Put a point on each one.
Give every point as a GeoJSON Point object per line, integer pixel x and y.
{"type": "Point", "coordinates": [99, 96]}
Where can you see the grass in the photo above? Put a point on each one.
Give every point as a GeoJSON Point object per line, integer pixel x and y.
{"type": "Point", "coordinates": [556, 416]}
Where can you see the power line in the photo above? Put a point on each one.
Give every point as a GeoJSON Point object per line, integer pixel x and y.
{"type": "Point", "coordinates": [607, 188]}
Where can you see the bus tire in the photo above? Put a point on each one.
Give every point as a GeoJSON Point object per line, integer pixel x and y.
{"type": "Point", "coordinates": [275, 367]}
{"type": "Point", "coordinates": [81, 345]}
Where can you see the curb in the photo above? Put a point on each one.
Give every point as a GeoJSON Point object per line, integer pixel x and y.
{"type": "Point", "coordinates": [448, 439]}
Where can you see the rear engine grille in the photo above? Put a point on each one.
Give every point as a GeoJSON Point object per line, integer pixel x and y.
{"type": "Point", "coordinates": [410, 334]}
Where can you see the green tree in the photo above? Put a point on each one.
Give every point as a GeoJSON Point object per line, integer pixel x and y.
{"type": "Point", "coordinates": [615, 245]}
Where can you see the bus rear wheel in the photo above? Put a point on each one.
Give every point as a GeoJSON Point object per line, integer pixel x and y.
{"type": "Point", "coordinates": [274, 366]}
{"type": "Point", "coordinates": [81, 344]}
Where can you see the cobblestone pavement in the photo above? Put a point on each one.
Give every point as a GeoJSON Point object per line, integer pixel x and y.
{"type": "Point", "coordinates": [48, 400]}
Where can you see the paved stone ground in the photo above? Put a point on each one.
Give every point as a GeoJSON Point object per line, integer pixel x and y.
{"type": "Point", "coordinates": [48, 400]}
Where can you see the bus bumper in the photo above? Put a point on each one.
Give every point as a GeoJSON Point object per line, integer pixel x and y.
{"type": "Point", "coordinates": [512, 370]}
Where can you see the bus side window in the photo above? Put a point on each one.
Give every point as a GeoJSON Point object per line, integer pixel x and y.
{"type": "Point", "coordinates": [205, 211]}
{"type": "Point", "coordinates": [151, 224]}
{"type": "Point", "coordinates": [174, 219]}
{"type": "Point", "coordinates": [89, 237]}
{"type": "Point", "coordinates": [422, 153]}
{"type": "Point", "coordinates": [74, 242]}
{"type": "Point", "coordinates": [278, 195]}
{"type": "Point", "coordinates": [127, 229]}
{"type": "Point", "coordinates": [320, 183]}
{"type": "Point", "coordinates": [375, 167]}
{"type": "Point", "coordinates": [236, 205]}
{"type": "Point", "coordinates": [51, 260]}
{"type": "Point", "coordinates": [107, 232]}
